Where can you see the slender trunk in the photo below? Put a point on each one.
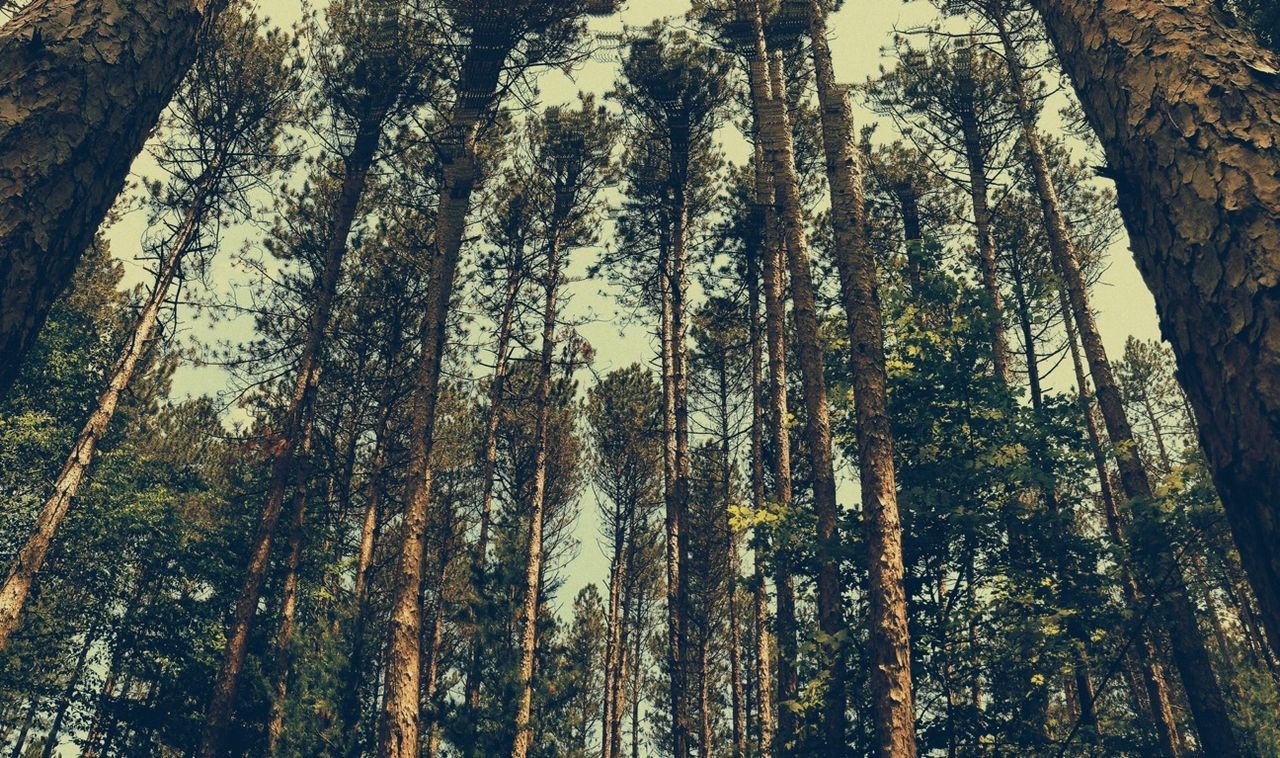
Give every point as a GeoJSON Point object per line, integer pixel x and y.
{"type": "Point", "coordinates": [1189, 652]}
{"type": "Point", "coordinates": [1196, 185]}
{"type": "Point", "coordinates": [889, 637]}
{"type": "Point", "coordinates": [398, 732]}
{"type": "Point", "coordinates": [75, 118]}
{"type": "Point", "coordinates": [69, 692]}
{"type": "Point", "coordinates": [769, 99]}
{"type": "Point", "coordinates": [1166, 464]}
{"type": "Point", "coordinates": [13, 594]}
{"type": "Point", "coordinates": [613, 645]}
{"type": "Point", "coordinates": [350, 697]}
{"type": "Point", "coordinates": [431, 671]}
{"type": "Point", "coordinates": [1157, 689]}
{"type": "Point", "coordinates": [976, 158]}
{"type": "Point", "coordinates": [288, 612]}
{"type": "Point", "coordinates": [909, 208]}
{"type": "Point", "coordinates": [760, 595]}
{"type": "Point", "coordinates": [480, 554]}
{"type": "Point", "coordinates": [297, 417]}
{"type": "Point", "coordinates": [775, 326]}
{"type": "Point", "coordinates": [537, 505]}
{"type": "Point", "coordinates": [28, 721]}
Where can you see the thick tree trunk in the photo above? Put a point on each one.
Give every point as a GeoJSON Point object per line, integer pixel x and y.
{"type": "Point", "coordinates": [398, 733]}
{"type": "Point", "coordinates": [297, 419]}
{"type": "Point", "coordinates": [288, 612]}
{"type": "Point", "coordinates": [1175, 604]}
{"type": "Point", "coordinates": [82, 84]}
{"type": "Point", "coordinates": [1157, 689]}
{"type": "Point", "coordinates": [889, 637]}
{"type": "Point", "coordinates": [760, 595]}
{"type": "Point", "coordinates": [480, 553]}
{"type": "Point", "coordinates": [1179, 99]}
{"type": "Point", "coordinates": [13, 594]}
{"type": "Point", "coordinates": [537, 505]}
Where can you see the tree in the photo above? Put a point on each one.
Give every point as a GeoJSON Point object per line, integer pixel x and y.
{"type": "Point", "coordinates": [1200, 226]}
{"type": "Point", "coordinates": [221, 142]}
{"type": "Point", "coordinates": [107, 102]}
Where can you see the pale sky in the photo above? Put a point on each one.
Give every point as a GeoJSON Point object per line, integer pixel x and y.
{"type": "Point", "coordinates": [859, 31]}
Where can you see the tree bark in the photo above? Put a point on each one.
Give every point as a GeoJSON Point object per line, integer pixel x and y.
{"type": "Point", "coordinates": [889, 637]}
{"type": "Point", "coordinates": [13, 594]}
{"type": "Point", "coordinates": [82, 84]}
{"type": "Point", "coordinates": [296, 420]}
{"type": "Point", "coordinates": [1157, 689]}
{"type": "Point", "coordinates": [1179, 99]}
{"type": "Point", "coordinates": [398, 732]}
{"type": "Point", "coordinates": [1190, 654]}
{"type": "Point", "coordinates": [288, 611]}
{"type": "Point", "coordinates": [480, 553]}
{"type": "Point", "coordinates": [537, 505]}
{"type": "Point", "coordinates": [760, 594]}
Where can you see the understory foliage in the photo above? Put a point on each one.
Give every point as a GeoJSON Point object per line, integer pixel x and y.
{"type": "Point", "coordinates": [630, 233]}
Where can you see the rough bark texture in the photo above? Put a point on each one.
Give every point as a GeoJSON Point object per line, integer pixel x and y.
{"type": "Point", "coordinates": [17, 585]}
{"type": "Point", "coordinates": [297, 419]}
{"type": "Point", "coordinates": [398, 732]}
{"type": "Point", "coordinates": [1187, 110]}
{"type": "Point", "coordinates": [1174, 603]}
{"type": "Point", "coordinates": [889, 637]}
{"type": "Point", "coordinates": [537, 507]}
{"type": "Point", "coordinates": [81, 86]}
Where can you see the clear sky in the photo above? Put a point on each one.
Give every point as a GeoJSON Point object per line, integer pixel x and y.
{"type": "Point", "coordinates": [859, 32]}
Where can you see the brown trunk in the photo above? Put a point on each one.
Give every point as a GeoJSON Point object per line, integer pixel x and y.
{"type": "Point", "coordinates": [1157, 689]}
{"type": "Point", "coordinates": [288, 612]}
{"type": "Point", "coordinates": [775, 335]}
{"type": "Point", "coordinates": [889, 638]}
{"type": "Point", "coordinates": [978, 194]}
{"type": "Point", "coordinates": [537, 505]}
{"type": "Point", "coordinates": [480, 554]}
{"type": "Point", "coordinates": [705, 736]}
{"type": "Point", "coordinates": [760, 594]}
{"type": "Point", "coordinates": [431, 670]}
{"type": "Point", "coordinates": [1189, 652]}
{"type": "Point", "coordinates": [613, 647]}
{"type": "Point", "coordinates": [297, 418]}
{"type": "Point", "coordinates": [769, 100]}
{"type": "Point", "coordinates": [13, 594]}
{"type": "Point", "coordinates": [1179, 98]}
{"type": "Point", "coordinates": [82, 84]}
{"type": "Point", "coordinates": [398, 732]}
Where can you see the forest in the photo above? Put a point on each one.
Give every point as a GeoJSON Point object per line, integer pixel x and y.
{"type": "Point", "coordinates": [567, 378]}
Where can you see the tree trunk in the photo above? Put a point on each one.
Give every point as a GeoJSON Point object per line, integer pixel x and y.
{"type": "Point", "coordinates": [1189, 651]}
{"type": "Point", "coordinates": [769, 100]}
{"type": "Point", "coordinates": [297, 419]}
{"type": "Point", "coordinates": [82, 84]}
{"type": "Point", "coordinates": [613, 647]}
{"type": "Point", "coordinates": [69, 692]}
{"type": "Point", "coordinates": [775, 331]}
{"type": "Point", "coordinates": [1196, 178]}
{"type": "Point", "coordinates": [13, 594]}
{"type": "Point", "coordinates": [398, 733]}
{"type": "Point", "coordinates": [889, 637]}
{"type": "Point", "coordinates": [760, 596]}
{"type": "Point", "coordinates": [480, 553]}
{"type": "Point", "coordinates": [431, 670]}
{"type": "Point", "coordinates": [288, 611]}
{"type": "Point", "coordinates": [978, 194]}
{"type": "Point", "coordinates": [537, 505]}
{"type": "Point", "coordinates": [1157, 689]}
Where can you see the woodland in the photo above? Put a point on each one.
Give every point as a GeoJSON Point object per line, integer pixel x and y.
{"type": "Point", "coordinates": [311, 444]}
